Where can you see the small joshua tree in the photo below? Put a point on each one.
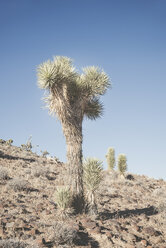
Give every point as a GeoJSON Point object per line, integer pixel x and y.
{"type": "Point", "coordinates": [122, 164]}
{"type": "Point", "coordinates": [92, 178]}
{"type": "Point", "coordinates": [63, 199]}
{"type": "Point", "coordinates": [111, 158]}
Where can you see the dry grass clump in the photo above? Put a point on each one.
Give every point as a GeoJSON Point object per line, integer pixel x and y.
{"type": "Point", "coordinates": [11, 243]}
{"type": "Point", "coordinates": [63, 234]}
{"type": "Point", "coordinates": [160, 194]}
{"type": "Point", "coordinates": [40, 171]}
{"type": "Point", "coordinates": [3, 173]}
{"type": "Point", "coordinates": [19, 184]}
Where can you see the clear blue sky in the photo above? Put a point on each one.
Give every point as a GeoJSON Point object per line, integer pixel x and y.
{"type": "Point", "coordinates": [127, 38]}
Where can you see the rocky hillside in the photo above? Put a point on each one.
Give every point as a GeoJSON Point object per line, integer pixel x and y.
{"type": "Point", "coordinates": [131, 210]}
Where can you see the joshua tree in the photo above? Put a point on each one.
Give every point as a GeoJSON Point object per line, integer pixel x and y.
{"type": "Point", "coordinates": [73, 96]}
{"type": "Point", "coordinates": [111, 158]}
{"type": "Point", "coordinates": [122, 164]}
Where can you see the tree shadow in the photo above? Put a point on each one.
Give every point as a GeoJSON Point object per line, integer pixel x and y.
{"type": "Point", "coordinates": [84, 239]}
{"type": "Point", "coordinates": [127, 213]}
{"type": "Point", "coordinates": [6, 156]}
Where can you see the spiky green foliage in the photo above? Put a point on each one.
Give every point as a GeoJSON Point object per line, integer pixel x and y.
{"type": "Point", "coordinates": [60, 78]}
{"type": "Point", "coordinates": [92, 177]}
{"type": "Point", "coordinates": [92, 173]}
{"type": "Point", "coordinates": [111, 158]}
{"type": "Point", "coordinates": [63, 200]}
{"type": "Point", "coordinates": [122, 163]}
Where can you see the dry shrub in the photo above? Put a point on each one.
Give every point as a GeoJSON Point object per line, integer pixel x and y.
{"type": "Point", "coordinates": [40, 171]}
{"type": "Point", "coordinates": [160, 194]}
{"type": "Point", "coordinates": [11, 243]}
{"type": "Point", "coordinates": [19, 184]}
{"type": "Point", "coordinates": [63, 234]}
{"type": "Point", "coordinates": [3, 173]}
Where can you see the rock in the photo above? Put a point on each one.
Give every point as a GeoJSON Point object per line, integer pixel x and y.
{"type": "Point", "coordinates": [136, 227]}
{"type": "Point", "coordinates": [144, 242]}
{"type": "Point", "coordinates": [1, 231]}
{"type": "Point", "coordinates": [129, 246]}
{"type": "Point", "coordinates": [151, 231]}
{"type": "Point", "coordinates": [108, 234]}
{"type": "Point", "coordinates": [95, 230]}
{"type": "Point", "coordinates": [88, 223]}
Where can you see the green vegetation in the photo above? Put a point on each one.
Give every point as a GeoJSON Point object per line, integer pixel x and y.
{"type": "Point", "coordinates": [92, 177]}
{"type": "Point", "coordinates": [111, 158]}
{"type": "Point", "coordinates": [122, 164]}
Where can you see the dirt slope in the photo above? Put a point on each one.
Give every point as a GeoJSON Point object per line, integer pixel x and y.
{"type": "Point", "coordinates": [132, 211]}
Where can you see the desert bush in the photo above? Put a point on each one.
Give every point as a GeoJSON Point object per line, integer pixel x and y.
{"type": "Point", "coordinates": [111, 158]}
{"type": "Point", "coordinates": [92, 177]}
{"type": "Point", "coordinates": [19, 184]}
{"type": "Point", "coordinates": [28, 146]}
{"type": "Point", "coordinates": [40, 171]}
{"type": "Point", "coordinates": [3, 173]}
{"type": "Point", "coordinates": [9, 142]}
{"type": "Point", "coordinates": [63, 200]}
{"type": "Point", "coordinates": [160, 195]}
{"type": "Point", "coordinates": [2, 141]}
{"type": "Point", "coordinates": [122, 163]}
{"type": "Point", "coordinates": [44, 153]}
{"type": "Point", "coordinates": [63, 234]}
{"type": "Point", "coordinates": [11, 243]}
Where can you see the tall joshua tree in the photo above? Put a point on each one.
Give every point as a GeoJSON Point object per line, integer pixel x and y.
{"type": "Point", "coordinates": [71, 97]}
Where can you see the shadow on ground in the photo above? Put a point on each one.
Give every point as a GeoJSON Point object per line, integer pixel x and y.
{"type": "Point", "coordinates": [10, 157]}
{"type": "Point", "coordinates": [126, 213]}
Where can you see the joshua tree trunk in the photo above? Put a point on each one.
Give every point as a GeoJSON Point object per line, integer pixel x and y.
{"type": "Point", "coordinates": [73, 135]}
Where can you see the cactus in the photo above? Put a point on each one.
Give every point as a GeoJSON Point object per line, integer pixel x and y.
{"type": "Point", "coordinates": [111, 158]}
{"type": "Point", "coordinates": [122, 164]}
{"type": "Point", "coordinates": [92, 178]}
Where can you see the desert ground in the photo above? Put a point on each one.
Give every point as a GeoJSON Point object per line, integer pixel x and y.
{"type": "Point", "coordinates": [131, 210]}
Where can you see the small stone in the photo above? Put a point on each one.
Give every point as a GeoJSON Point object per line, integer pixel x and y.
{"type": "Point", "coordinates": [95, 230]}
{"type": "Point", "coordinates": [130, 246]}
{"type": "Point", "coordinates": [136, 228]}
{"type": "Point", "coordinates": [151, 231]}
{"type": "Point", "coordinates": [87, 223]}
{"type": "Point", "coordinates": [1, 231]}
{"type": "Point", "coordinates": [10, 225]}
{"type": "Point", "coordinates": [108, 234]}
{"type": "Point", "coordinates": [144, 242]}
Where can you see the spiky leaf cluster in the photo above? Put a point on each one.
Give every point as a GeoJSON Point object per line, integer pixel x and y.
{"type": "Point", "coordinates": [92, 175]}
{"type": "Point", "coordinates": [111, 158]}
{"type": "Point", "coordinates": [122, 163]}
{"type": "Point", "coordinates": [63, 198]}
{"type": "Point", "coordinates": [71, 90]}
{"type": "Point", "coordinates": [56, 72]}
